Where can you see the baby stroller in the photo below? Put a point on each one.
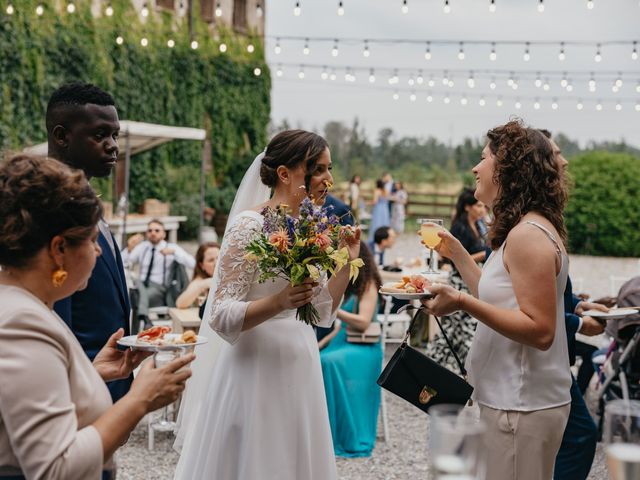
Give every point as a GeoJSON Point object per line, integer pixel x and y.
{"type": "Point", "coordinates": [620, 374]}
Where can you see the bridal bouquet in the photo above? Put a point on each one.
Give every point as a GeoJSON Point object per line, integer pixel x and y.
{"type": "Point", "coordinates": [296, 248]}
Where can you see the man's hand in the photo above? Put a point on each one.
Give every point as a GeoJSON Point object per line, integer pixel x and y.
{"type": "Point", "coordinates": [590, 327]}
{"type": "Point", "coordinates": [168, 251]}
{"type": "Point", "coordinates": [134, 240]}
{"type": "Point", "coordinates": [114, 364]}
{"type": "Point", "coordinates": [584, 306]}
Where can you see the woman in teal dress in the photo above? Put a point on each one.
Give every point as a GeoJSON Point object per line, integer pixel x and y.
{"type": "Point", "coordinates": [350, 370]}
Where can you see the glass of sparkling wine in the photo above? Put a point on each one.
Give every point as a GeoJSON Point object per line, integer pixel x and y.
{"type": "Point", "coordinates": [622, 439]}
{"type": "Point", "coordinates": [160, 359]}
{"type": "Point", "coordinates": [456, 443]}
{"type": "Point", "coordinates": [429, 228]}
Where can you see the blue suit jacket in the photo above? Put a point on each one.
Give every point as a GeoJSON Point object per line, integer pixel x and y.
{"type": "Point", "coordinates": [571, 320]}
{"type": "Point", "coordinates": [340, 209]}
{"type": "Point", "coordinates": [95, 313]}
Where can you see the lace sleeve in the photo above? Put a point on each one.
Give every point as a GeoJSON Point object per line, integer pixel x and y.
{"type": "Point", "coordinates": [233, 279]}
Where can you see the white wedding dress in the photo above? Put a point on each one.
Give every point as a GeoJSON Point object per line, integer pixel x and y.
{"type": "Point", "coordinates": [264, 413]}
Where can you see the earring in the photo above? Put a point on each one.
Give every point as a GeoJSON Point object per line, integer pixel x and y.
{"type": "Point", "coordinates": [58, 277]}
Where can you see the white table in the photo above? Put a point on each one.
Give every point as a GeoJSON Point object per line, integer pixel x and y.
{"type": "Point", "coordinates": [138, 224]}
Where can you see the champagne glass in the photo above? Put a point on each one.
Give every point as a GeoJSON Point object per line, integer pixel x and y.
{"type": "Point", "coordinates": [160, 359]}
{"type": "Point", "coordinates": [622, 439]}
{"type": "Point", "coordinates": [429, 228]}
{"type": "Point", "coordinates": [456, 441]}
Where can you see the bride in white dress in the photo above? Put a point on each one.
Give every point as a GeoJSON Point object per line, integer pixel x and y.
{"type": "Point", "coordinates": [259, 410]}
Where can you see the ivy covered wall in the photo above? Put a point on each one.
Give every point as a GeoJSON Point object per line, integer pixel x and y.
{"type": "Point", "coordinates": [202, 88]}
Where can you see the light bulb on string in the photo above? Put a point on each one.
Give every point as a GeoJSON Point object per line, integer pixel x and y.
{"type": "Point", "coordinates": [592, 84]}
{"type": "Point", "coordinates": [332, 75]}
{"type": "Point", "coordinates": [554, 104]}
{"type": "Point", "coordinates": [447, 7]}
{"type": "Point", "coordinates": [171, 43]}
{"type": "Point", "coordinates": [493, 56]}
{"type": "Point", "coordinates": [251, 48]}
{"type": "Point", "coordinates": [277, 49]}
{"type": "Point", "coordinates": [618, 107]}
{"type": "Point", "coordinates": [515, 84]}
{"type": "Point", "coordinates": [482, 102]}
{"type": "Point", "coordinates": [527, 54]}
{"type": "Point", "coordinates": [222, 47]}
{"type": "Point", "coordinates": [518, 105]}
{"type": "Point", "coordinates": [39, 10]}
{"type": "Point", "coordinates": [297, 11]}
{"type": "Point", "coordinates": [471, 83]}
{"type": "Point", "coordinates": [334, 50]}
{"type": "Point", "coordinates": [510, 79]}
{"type": "Point", "coordinates": [569, 87]}
{"type": "Point", "coordinates": [637, 106]}
{"type": "Point", "coordinates": [634, 52]}
{"type": "Point", "coordinates": [324, 75]}
{"type": "Point", "coordinates": [614, 88]}
{"type": "Point", "coordinates": [579, 105]}
{"type": "Point", "coordinates": [430, 98]}
{"type": "Point", "coordinates": [598, 56]}
{"type": "Point", "coordinates": [564, 82]}
{"type": "Point", "coordinates": [257, 71]}
{"type": "Point", "coordinates": [109, 10]}
{"type": "Point", "coordinates": [372, 76]}
{"type": "Point", "coordinates": [541, 6]}
{"type": "Point", "coordinates": [427, 52]}
{"type": "Point", "coordinates": [412, 97]}
{"type": "Point", "coordinates": [395, 79]}
{"type": "Point", "coordinates": [119, 40]}
{"type": "Point", "coordinates": [405, 7]}
{"type": "Point", "coordinates": [461, 51]}
{"type": "Point", "coordinates": [411, 81]}
{"type": "Point", "coordinates": [499, 102]}
{"type": "Point", "coordinates": [218, 11]}
{"type": "Point", "coordinates": [366, 53]}
{"type": "Point", "coordinates": [463, 101]}
{"type": "Point", "coordinates": [599, 106]}
{"type": "Point", "coordinates": [546, 86]}
{"type": "Point", "coordinates": [420, 78]}
{"type": "Point", "coordinates": [431, 81]}
{"type": "Point", "coordinates": [618, 82]}
{"type": "Point", "coordinates": [305, 50]}
{"type": "Point", "coordinates": [10, 10]}
{"type": "Point", "coordinates": [144, 41]}
{"type": "Point", "coordinates": [536, 105]}
{"type": "Point", "coordinates": [492, 85]}
{"type": "Point", "coordinates": [301, 74]}
{"type": "Point", "coordinates": [71, 7]}
{"type": "Point", "coordinates": [445, 78]}
{"type": "Point", "coordinates": [194, 46]}
{"type": "Point", "coordinates": [340, 9]}
{"type": "Point", "coordinates": [447, 99]}
{"type": "Point", "coordinates": [638, 87]}
{"type": "Point", "coordinates": [538, 81]}
{"type": "Point", "coordinates": [396, 96]}
{"type": "Point", "coordinates": [562, 56]}
{"type": "Point", "coordinates": [145, 10]}
{"type": "Point", "coordinates": [492, 6]}
{"type": "Point", "coordinates": [450, 84]}
{"type": "Point", "coordinates": [590, 4]}
{"type": "Point", "coordinates": [259, 10]}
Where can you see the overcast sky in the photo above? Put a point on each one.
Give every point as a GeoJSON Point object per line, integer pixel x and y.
{"type": "Point", "coordinates": [312, 102]}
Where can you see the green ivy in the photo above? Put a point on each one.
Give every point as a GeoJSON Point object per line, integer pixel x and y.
{"type": "Point", "coordinates": [180, 86]}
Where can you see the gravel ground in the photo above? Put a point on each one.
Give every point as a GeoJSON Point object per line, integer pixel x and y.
{"type": "Point", "coordinates": [404, 455]}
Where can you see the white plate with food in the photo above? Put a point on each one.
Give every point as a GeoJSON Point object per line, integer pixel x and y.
{"type": "Point", "coordinates": [612, 314]}
{"type": "Point", "coordinates": [414, 287]}
{"type": "Point", "coordinates": [159, 338]}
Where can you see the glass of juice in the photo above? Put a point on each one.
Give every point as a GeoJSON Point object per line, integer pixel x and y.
{"type": "Point", "coordinates": [429, 228]}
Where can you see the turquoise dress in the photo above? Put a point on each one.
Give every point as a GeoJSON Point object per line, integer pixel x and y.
{"type": "Point", "coordinates": [350, 371]}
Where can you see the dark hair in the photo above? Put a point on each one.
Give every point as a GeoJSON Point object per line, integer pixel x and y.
{"type": "Point", "coordinates": [466, 199]}
{"type": "Point", "coordinates": [368, 273]}
{"type": "Point", "coordinates": [353, 179]}
{"type": "Point", "coordinates": [545, 132]}
{"type": "Point", "coordinates": [158, 221]}
{"type": "Point", "coordinates": [290, 149]}
{"type": "Point", "coordinates": [199, 271]}
{"type": "Point", "coordinates": [528, 178]}
{"type": "Point", "coordinates": [380, 184]}
{"type": "Point", "coordinates": [71, 96]}
{"type": "Point", "coordinates": [381, 233]}
{"type": "Point", "coordinates": [40, 198]}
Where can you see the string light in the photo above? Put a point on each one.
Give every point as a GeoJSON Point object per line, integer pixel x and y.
{"type": "Point", "coordinates": [638, 87]}
{"type": "Point", "coordinates": [259, 11]}
{"type": "Point", "coordinates": [446, 99]}
{"type": "Point", "coordinates": [598, 57]}
{"type": "Point", "coordinates": [195, 45]}
{"type": "Point", "coordinates": [554, 105]}
{"type": "Point", "coordinates": [546, 86]}
{"type": "Point", "coordinates": [527, 54]}
{"type": "Point", "coordinates": [538, 82]}
{"type": "Point", "coordinates": [420, 78]}
{"type": "Point", "coordinates": [569, 87]}
{"type": "Point", "coordinates": [493, 56]}
{"type": "Point", "coordinates": [634, 53]}
{"type": "Point", "coordinates": [561, 55]}
{"type": "Point", "coordinates": [427, 52]}
{"type": "Point", "coordinates": [366, 52]}
{"type": "Point", "coordinates": [222, 47]}
{"type": "Point", "coordinates": [564, 82]}
{"type": "Point", "coordinates": [145, 10]}
{"type": "Point", "coordinates": [277, 49]}
{"type": "Point", "coordinates": [592, 84]}
{"type": "Point", "coordinates": [499, 102]}
{"type": "Point", "coordinates": [536, 105]}
{"type": "Point", "coordinates": [412, 97]}
{"type": "Point", "coordinates": [251, 48]}
{"type": "Point", "coordinates": [71, 7]}
{"type": "Point", "coordinates": [324, 75]}
{"type": "Point", "coordinates": [10, 10]}
{"type": "Point", "coordinates": [405, 7]}
{"type": "Point", "coordinates": [171, 43]}
{"type": "Point", "coordinates": [332, 76]}
{"type": "Point", "coordinates": [301, 74]}
{"type": "Point", "coordinates": [618, 82]}
{"type": "Point", "coordinates": [411, 81]}
{"type": "Point", "coordinates": [463, 101]}
{"type": "Point", "coordinates": [637, 106]}
{"type": "Point", "coordinates": [482, 102]}
{"type": "Point", "coordinates": [447, 7]}
{"type": "Point", "coordinates": [297, 11]}
{"type": "Point", "coordinates": [518, 105]}
{"type": "Point", "coordinates": [471, 83]}
{"type": "Point", "coordinates": [108, 11]}
{"type": "Point", "coordinates": [340, 8]}
{"type": "Point", "coordinates": [431, 81]}
{"type": "Point", "coordinates": [119, 40]}
{"type": "Point", "coordinates": [257, 72]}
{"type": "Point", "coordinates": [579, 105]}
{"type": "Point", "coordinates": [492, 6]}
{"type": "Point", "coordinates": [39, 10]}
{"type": "Point", "coordinates": [306, 50]}
{"type": "Point", "coordinates": [429, 98]}
{"type": "Point", "coordinates": [590, 4]}
{"type": "Point", "coordinates": [492, 85]}
{"type": "Point", "coordinates": [396, 96]}
{"type": "Point", "coordinates": [372, 76]}
{"type": "Point", "coordinates": [279, 72]}
{"type": "Point", "coordinates": [334, 50]}
{"type": "Point", "coordinates": [618, 107]}
{"type": "Point", "coordinates": [144, 41]}
{"type": "Point", "coordinates": [461, 51]}
{"type": "Point", "coordinates": [541, 6]}
{"type": "Point", "coordinates": [599, 106]}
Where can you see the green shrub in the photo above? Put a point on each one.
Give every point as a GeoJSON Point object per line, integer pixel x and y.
{"type": "Point", "coordinates": [603, 215]}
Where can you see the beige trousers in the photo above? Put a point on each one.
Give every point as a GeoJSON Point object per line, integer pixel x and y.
{"type": "Point", "coordinates": [523, 445]}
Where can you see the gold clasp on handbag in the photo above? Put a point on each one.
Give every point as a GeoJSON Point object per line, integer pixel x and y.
{"type": "Point", "coordinates": [426, 394]}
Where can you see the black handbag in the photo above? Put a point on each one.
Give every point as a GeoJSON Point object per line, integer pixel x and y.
{"type": "Point", "coordinates": [419, 380]}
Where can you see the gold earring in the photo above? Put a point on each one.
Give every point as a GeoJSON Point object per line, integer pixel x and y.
{"type": "Point", "coordinates": [58, 277]}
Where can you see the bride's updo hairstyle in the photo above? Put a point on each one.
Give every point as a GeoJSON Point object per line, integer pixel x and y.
{"type": "Point", "coordinates": [290, 149]}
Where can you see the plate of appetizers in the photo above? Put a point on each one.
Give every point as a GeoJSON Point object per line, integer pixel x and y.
{"type": "Point", "coordinates": [160, 338]}
{"type": "Point", "coordinates": [412, 287]}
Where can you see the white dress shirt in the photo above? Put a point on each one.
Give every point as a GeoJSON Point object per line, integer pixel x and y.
{"type": "Point", "coordinates": [141, 255]}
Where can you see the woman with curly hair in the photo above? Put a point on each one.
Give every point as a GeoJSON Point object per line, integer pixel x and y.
{"type": "Point", "coordinates": [518, 363]}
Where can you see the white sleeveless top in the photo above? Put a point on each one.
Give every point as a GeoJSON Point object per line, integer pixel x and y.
{"type": "Point", "coordinates": [505, 374]}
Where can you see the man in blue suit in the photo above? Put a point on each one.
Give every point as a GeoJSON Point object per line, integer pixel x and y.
{"type": "Point", "coordinates": [82, 130]}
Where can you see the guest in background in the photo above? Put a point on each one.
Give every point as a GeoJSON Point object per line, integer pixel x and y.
{"type": "Point", "coordinates": [82, 131]}
{"type": "Point", "coordinates": [460, 326]}
{"type": "Point", "coordinates": [206, 259]}
{"type": "Point", "coordinates": [158, 262]}
{"type": "Point", "coordinates": [389, 188]}
{"type": "Point", "coordinates": [340, 209]}
{"type": "Point", "coordinates": [57, 421]}
{"type": "Point", "coordinates": [383, 239]}
{"type": "Point", "coordinates": [398, 212]}
{"type": "Point", "coordinates": [350, 370]}
{"type": "Point", "coordinates": [380, 212]}
{"type": "Point", "coordinates": [354, 196]}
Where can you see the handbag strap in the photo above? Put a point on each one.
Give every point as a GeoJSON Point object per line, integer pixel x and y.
{"type": "Point", "coordinates": [463, 370]}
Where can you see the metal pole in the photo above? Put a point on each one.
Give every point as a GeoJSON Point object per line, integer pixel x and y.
{"type": "Point", "coordinates": [127, 166]}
